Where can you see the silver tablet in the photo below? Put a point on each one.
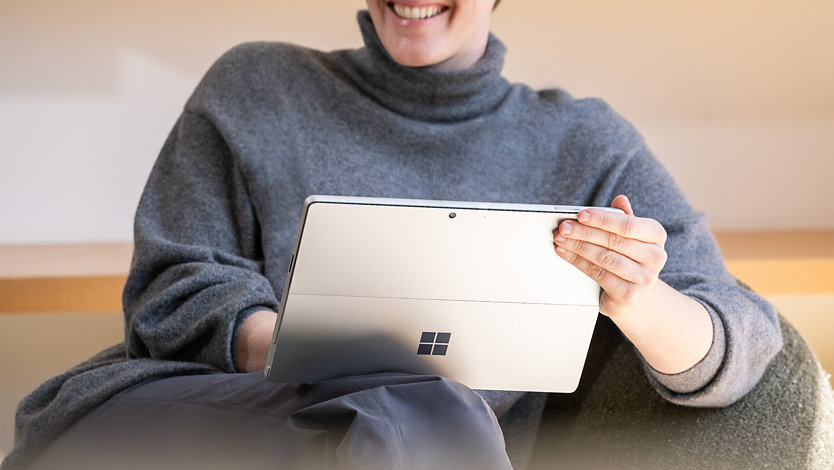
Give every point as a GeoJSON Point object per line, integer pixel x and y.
{"type": "Point", "coordinates": [469, 291]}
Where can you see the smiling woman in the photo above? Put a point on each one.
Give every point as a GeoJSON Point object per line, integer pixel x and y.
{"type": "Point", "coordinates": [421, 112]}
{"type": "Point", "coordinates": [450, 35]}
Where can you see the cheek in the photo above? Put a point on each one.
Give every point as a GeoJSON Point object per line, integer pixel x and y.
{"type": "Point", "coordinates": [376, 9]}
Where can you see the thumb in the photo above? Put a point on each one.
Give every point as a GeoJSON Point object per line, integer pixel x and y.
{"type": "Point", "coordinates": [621, 202]}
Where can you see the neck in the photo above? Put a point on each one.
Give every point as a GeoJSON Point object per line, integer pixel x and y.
{"type": "Point", "coordinates": [449, 91]}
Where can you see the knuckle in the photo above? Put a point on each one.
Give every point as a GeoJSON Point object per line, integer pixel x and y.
{"type": "Point", "coordinates": [608, 259]}
{"type": "Point", "coordinates": [615, 241]}
{"type": "Point", "coordinates": [583, 232]}
{"type": "Point", "coordinates": [661, 233]}
{"type": "Point", "coordinates": [568, 255]}
{"type": "Point", "coordinates": [661, 258]}
{"type": "Point", "coordinates": [573, 257]}
{"type": "Point", "coordinates": [657, 257]}
{"type": "Point", "coordinates": [603, 219]}
{"type": "Point", "coordinates": [647, 277]}
{"type": "Point", "coordinates": [596, 272]}
{"type": "Point", "coordinates": [628, 226]}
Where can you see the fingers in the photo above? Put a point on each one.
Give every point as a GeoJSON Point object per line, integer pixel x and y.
{"type": "Point", "coordinates": [623, 253]}
{"type": "Point", "coordinates": [625, 225]}
{"type": "Point", "coordinates": [611, 284]}
{"type": "Point", "coordinates": [573, 236]}
{"type": "Point", "coordinates": [596, 261]}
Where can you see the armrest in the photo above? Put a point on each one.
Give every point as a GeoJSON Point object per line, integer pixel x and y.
{"type": "Point", "coordinates": [615, 419]}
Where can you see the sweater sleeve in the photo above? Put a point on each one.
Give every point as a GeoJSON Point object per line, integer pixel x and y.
{"type": "Point", "coordinates": [746, 332]}
{"type": "Point", "coordinates": [197, 269]}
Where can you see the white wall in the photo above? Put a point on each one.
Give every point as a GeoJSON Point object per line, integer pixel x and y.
{"type": "Point", "coordinates": [734, 96]}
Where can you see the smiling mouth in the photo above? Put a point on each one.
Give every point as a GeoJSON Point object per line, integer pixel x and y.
{"type": "Point", "coordinates": [416, 13]}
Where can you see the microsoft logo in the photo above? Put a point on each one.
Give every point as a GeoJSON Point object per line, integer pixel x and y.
{"type": "Point", "coordinates": [433, 343]}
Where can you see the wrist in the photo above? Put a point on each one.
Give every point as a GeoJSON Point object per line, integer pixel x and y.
{"type": "Point", "coordinates": [628, 308]}
{"type": "Point", "coordinates": [253, 339]}
{"type": "Point", "coordinates": [672, 331]}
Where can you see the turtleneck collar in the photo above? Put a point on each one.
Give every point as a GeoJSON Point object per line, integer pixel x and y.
{"type": "Point", "coordinates": [424, 92]}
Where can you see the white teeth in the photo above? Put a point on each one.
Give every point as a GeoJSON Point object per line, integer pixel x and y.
{"type": "Point", "coordinates": [416, 13]}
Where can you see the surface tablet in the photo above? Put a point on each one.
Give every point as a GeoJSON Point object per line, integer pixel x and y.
{"type": "Point", "coordinates": [469, 291]}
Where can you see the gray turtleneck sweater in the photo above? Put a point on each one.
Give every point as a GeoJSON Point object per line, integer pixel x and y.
{"type": "Point", "coordinates": [273, 123]}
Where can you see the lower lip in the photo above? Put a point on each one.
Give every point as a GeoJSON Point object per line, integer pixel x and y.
{"type": "Point", "coordinates": [413, 21]}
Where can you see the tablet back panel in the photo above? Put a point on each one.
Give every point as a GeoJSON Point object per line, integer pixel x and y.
{"type": "Point", "coordinates": [473, 292]}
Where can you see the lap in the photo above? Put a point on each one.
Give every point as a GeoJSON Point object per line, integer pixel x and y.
{"type": "Point", "coordinates": [214, 421]}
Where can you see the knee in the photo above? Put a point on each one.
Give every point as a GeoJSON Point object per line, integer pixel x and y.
{"type": "Point", "coordinates": [446, 420]}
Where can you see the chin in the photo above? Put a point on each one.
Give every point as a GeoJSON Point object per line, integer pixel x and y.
{"type": "Point", "coordinates": [415, 58]}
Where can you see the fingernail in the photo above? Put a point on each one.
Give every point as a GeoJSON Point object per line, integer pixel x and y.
{"type": "Point", "coordinates": [560, 250]}
{"type": "Point", "coordinates": [584, 216]}
{"type": "Point", "coordinates": [560, 239]}
{"type": "Point", "coordinates": [566, 228]}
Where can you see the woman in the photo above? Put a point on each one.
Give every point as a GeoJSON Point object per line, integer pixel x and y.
{"type": "Point", "coordinates": [421, 112]}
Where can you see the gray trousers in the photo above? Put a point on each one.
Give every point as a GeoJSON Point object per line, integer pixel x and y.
{"type": "Point", "coordinates": [386, 421]}
{"type": "Point", "coordinates": [613, 421]}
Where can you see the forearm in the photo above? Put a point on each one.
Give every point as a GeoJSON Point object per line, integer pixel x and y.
{"type": "Point", "coordinates": [672, 331]}
{"type": "Point", "coordinates": [253, 338]}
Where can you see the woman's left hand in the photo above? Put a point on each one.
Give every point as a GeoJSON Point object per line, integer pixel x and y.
{"type": "Point", "coordinates": [621, 252]}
